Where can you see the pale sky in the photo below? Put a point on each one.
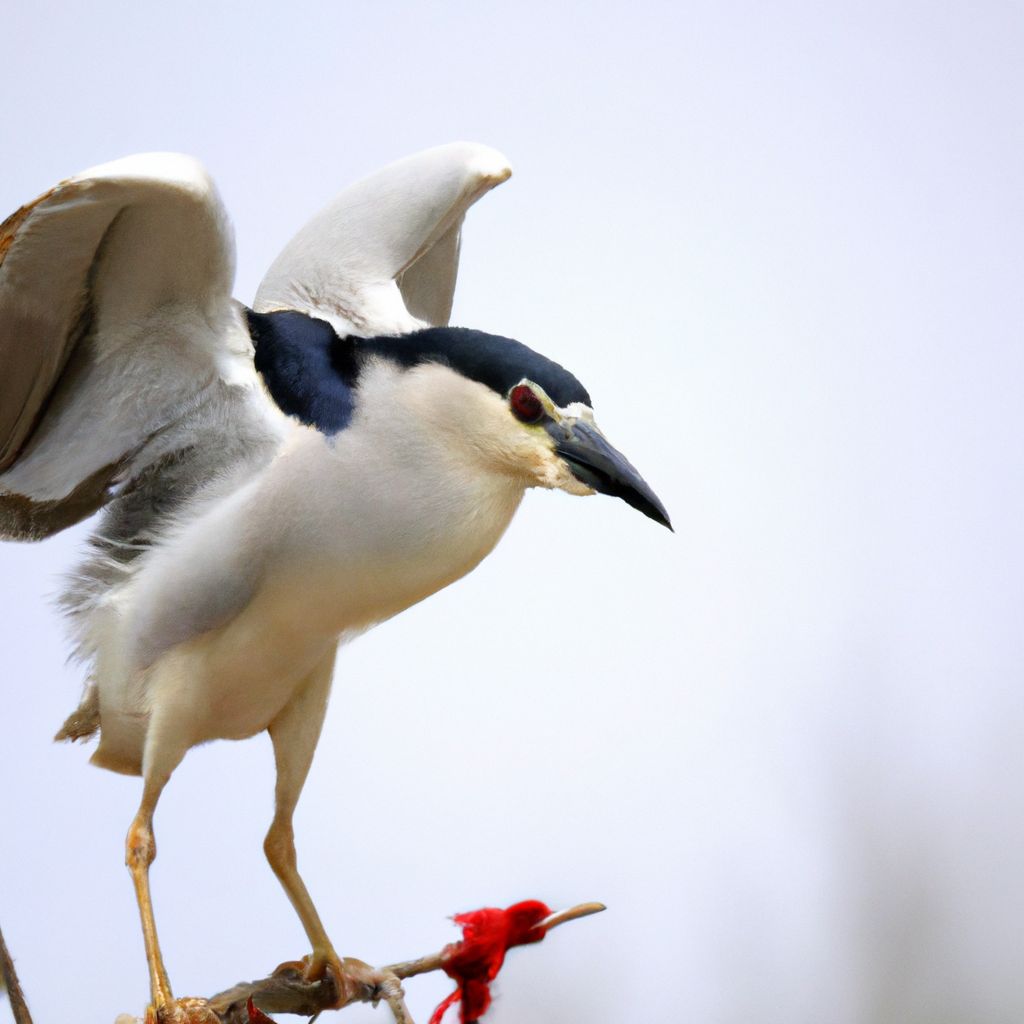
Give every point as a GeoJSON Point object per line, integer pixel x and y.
{"type": "Point", "coordinates": [781, 246]}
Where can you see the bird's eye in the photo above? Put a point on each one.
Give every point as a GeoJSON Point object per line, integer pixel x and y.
{"type": "Point", "coordinates": [525, 404]}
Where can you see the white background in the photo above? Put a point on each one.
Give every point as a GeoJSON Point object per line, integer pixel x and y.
{"type": "Point", "coordinates": [781, 245]}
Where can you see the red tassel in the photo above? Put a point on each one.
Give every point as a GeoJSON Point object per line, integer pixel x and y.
{"type": "Point", "coordinates": [435, 1017]}
{"type": "Point", "coordinates": [473, 963]}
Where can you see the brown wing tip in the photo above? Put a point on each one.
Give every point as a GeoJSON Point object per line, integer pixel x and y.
{"type": "Point", "coordinates": [12, 225]}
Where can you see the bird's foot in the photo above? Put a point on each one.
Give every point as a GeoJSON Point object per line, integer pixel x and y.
{"type": "Point", "coordinates": [190, 1010]}
{"type": "Point", "coordinates": [356, 981]}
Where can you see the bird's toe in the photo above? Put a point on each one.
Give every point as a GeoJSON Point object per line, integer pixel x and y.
{"type": "Point", "coordinates": [355, 980]}
{"type": "Point", "coordinates": [363, 983]}
{"type": "Point", "coordinates": [191, 1010]}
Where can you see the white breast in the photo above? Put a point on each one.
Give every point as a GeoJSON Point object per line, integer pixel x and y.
{"type": "Point", "coordinates": [227, 617]}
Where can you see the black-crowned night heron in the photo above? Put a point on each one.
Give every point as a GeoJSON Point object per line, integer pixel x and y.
{"type": "Point", "coordinates": [274, 480]}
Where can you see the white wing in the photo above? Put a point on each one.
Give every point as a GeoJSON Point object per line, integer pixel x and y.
{"type": "Point", "coordinates": [125, 362]}
{"type": "Point", "coordinates": [382, 258]}
{"type": "Point", "coordinates": [118, 336]}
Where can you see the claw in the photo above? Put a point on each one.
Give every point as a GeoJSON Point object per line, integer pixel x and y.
{"type": "Point", "coordinates": [319, 963]}
{"type": "Point", "coordinates": [355, 980]}
{"type": "Point", "coordinates": [190, 1010]}
{"type": "Point", "coordinates": [362, 983]}
{"type": "Point", "coordinates": [324, 965]}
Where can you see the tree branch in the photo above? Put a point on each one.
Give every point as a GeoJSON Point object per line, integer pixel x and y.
{"type": "Point", "coordinates": [286, 991]}
{"type": "Point", "coordinates": [10, 979]}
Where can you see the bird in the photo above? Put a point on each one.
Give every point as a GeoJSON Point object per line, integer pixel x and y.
{"type": "Point", "coordinates": [273, 480]}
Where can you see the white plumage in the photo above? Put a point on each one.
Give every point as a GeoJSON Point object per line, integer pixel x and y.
{"type": "Point", "coordinates": [239, 543]}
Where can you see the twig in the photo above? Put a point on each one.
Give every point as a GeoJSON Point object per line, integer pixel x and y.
{"type": "Point", "coordinates": [287, 991]}
{"type": "Point", "coordinates": [18, 1005]}
{"type": "Point", "coordinates": [395, 998]}
{"type": "Point", "coordinates": [410, 968]}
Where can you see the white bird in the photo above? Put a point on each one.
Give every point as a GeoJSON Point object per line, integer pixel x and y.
{"type": "Point", "coordinates": [274, 480]}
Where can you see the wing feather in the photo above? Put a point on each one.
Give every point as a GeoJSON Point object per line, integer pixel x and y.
{"type": "Point", "coordinates": [120, 345]}
{"type": "Point", "coordinates": [382, 258]}
{"type": "Point", "coordinates": [116, 324]}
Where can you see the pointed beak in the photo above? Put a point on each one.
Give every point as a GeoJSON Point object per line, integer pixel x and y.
{"type": "Point", "coordinates": [597, 464]}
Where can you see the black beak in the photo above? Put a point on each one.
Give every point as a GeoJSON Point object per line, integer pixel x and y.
{"type": "Point", "coordinates": [597, 464]}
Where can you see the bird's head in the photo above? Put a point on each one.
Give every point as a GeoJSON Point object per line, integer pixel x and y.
{"type": "Point", "coordinates": [561, 446]}
{"type": "Point", "coordinates": [492, 400]}
{"type": "Point", "coordinates": [519, 411]}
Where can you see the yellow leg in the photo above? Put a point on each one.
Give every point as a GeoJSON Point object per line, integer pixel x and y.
{"type": "Point", "coordinates": [140, 852]}
{"type": "Point", "coordinates": [165, 747]}
{"type": "Point", "coordinates": [355, 979]}
{"type": "Point", "coordinates": [294, 734]}
{"type": "Point", "coordinates": [280, 850]}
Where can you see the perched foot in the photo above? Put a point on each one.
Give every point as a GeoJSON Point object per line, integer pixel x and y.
{"type": "Point", "coordinates": [356, 981]}
{"type": "Point", "coordinates": [190, 1010]}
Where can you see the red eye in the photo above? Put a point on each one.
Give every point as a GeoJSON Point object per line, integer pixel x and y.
{"type": "Point", "coordinates": [525, 404]}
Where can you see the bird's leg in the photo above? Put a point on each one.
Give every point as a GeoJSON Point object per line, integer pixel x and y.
{"type": "Point", "coordinates": [166, 744]}
{"type": "Point", "coordinates": [140, 852]}
{"type": "Point", "coordinates": [294, 734]}
{"type": "Point", "coordinates": [279, 847]}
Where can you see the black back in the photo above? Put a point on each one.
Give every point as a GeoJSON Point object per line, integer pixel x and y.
{"type": "Point", "coordinates": [295, 356]}
{"type": "Point", "coordinates": [313, 373]}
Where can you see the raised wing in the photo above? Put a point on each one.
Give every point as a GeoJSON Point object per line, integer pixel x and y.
{"type": "Point", "coordinates": [125, 367]}
{"type": "Point", "coordinates": [382, 258]}
{"type": "Point", "coordinates": [118, 338]}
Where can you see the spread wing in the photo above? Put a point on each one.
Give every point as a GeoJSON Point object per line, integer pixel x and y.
{"type": "Point", "coordinates": [126, 370]}
{"type": "Point", "coordinates": [382, 258]}
{"type": "Point", "coordinates": [119, 342]}
{"type": "Point", "coordinates": [127, 377]}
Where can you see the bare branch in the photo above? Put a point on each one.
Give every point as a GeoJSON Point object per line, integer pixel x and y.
{"type": "Point", "coordinates": [410, 968]}
{"type": "Point", "coordinates": [284, 991]}
{"type": "Point", "coordinates": [10, 978]}
{"type": "Point", "coordinates": [287, 991]}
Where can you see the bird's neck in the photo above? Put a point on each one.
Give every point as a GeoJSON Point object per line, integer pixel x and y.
{"type": "Point", "coordinates": [373, 529]}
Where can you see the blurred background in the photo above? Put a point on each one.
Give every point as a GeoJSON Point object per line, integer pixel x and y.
{"type": "Point", "coordinates": [781, 244]}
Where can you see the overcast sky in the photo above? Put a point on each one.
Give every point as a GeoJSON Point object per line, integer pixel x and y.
{"type": "Point", "coordinates": [781, 246]}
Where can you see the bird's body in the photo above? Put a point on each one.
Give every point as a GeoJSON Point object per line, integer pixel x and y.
{"type": "Point", "coordinates": [273, 481]}
{"type": "Point", "coordinates": [247, 591]}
